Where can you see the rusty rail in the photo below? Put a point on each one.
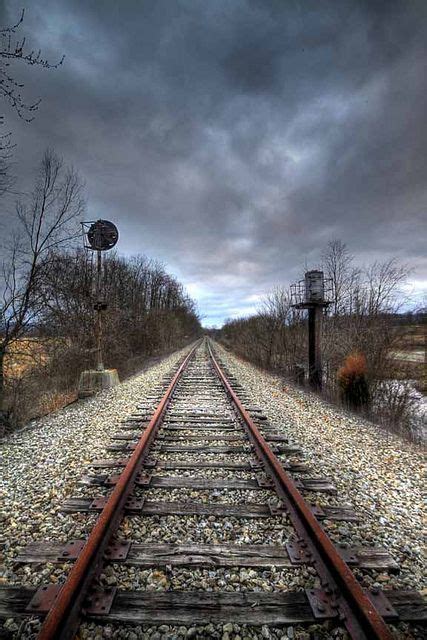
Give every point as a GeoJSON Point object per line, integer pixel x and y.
{"type": "Point", "coordinates": [63, 618]}
{"type": "Point", "coordinates": [355, 609]}
{"type": "Point", "coordinates": [357, 612]}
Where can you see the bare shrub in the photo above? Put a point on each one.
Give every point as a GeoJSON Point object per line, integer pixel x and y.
{"type": "Point", "coordinates": [394, 406]}
{"type": "Point", "coordinates": [149, 313]}
{"type": "Point", "coordinates": [360, 320]}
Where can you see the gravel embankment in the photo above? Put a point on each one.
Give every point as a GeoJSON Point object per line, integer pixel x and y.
{"type": "Point", "coordinates": [41, 465]}
{"type": "Point", "coordinates": [378, 473]}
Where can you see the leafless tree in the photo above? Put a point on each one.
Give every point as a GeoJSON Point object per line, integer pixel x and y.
{"type": "Point", "coordinates": [148, 311]}
{"type": "Point", "coordinates": [277, 311]}
{"type": "Point", "coordinates": [360, 325]}
{"type": "Point", "coordinates": [337, 263]}
{"type": "Point", "coordinates": [362, 303]}
{"type": "Point", "coordinates": [383, 289]}
{"type": "Point", "coordinates": [13, 50]}
{"type": "Point", "coordinates": [46, 221]}
{"type": "Point", "coordinates": [6, 147]}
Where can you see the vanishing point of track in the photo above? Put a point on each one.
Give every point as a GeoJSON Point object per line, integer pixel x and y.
{"type": "Point", "coordinates": [203, 403]}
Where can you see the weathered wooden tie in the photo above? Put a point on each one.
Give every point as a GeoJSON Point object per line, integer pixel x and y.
{"type": "Point", "coordinates": [201, 607]}
{"type": "Point", "coordinates": [204, 555]}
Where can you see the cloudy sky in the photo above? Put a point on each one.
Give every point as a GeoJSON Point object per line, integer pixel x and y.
{"type": "Point", "coordinates": [231, 139]}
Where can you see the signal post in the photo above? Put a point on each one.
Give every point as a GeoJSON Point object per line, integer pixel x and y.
{"type": "Point", "coordinates": [310, 294]}
{"type": "Point", "coordinates": [101, 235]}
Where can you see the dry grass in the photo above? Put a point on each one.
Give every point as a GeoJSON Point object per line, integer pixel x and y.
{"type": "Point", "coordinates": [54, 400]}
{"type": "Point", "coordinates": [411, 337]}
{"type": "Point", "coordinates": [409, 357]}
{"type": "Point", "coordinates": [25, 355]}
{"type": "Point", "coordinates": [35, 386]}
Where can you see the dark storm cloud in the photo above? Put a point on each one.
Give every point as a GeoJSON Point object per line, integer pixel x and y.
{"type": "Point", "coordinates": [233, 139]}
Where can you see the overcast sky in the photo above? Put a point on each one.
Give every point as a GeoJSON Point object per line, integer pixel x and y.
{"type": "Point", "coordinates": [232, 139]}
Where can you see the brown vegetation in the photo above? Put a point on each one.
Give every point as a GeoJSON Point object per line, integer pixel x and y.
{"type": "Point", "coordinates": [47, 221]}
{"type": "Point", "coordinates": [47, 311]}
{"type": "Point", "coordinates": [148, 313]}
{"type": "Point", "coordinates": [362, 319]}
{"type": "Point", "coordinates": [409, 352]}
{"type": "Point", "coordinates": [352, 381]}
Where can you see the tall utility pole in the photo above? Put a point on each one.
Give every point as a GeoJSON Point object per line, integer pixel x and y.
{"type": "Point", "coordinates": [310, 294]}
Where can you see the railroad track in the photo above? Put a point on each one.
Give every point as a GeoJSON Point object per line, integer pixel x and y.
{"type": "Point", "coordinates": [217, 459]}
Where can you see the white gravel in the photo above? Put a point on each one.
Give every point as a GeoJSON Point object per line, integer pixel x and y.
{"type": "Point", "coordinates": [377, 473]}
{"type": "Point", "coordinates": [381, 475]}
{"type": "Point", "coordinates": [41, 465]}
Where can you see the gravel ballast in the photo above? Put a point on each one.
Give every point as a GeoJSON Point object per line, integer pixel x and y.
{"type": "Point", "coordinates": [42, 464]}
{"type": "Point", "coordinates": [376, 473]}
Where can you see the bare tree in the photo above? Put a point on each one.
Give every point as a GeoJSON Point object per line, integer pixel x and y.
{"type": "Point", "coordinates": [383, 289]}
{"type": "Point", "coordinates": [6, 178]}
{"type": "Point", "coordinates": [337, 264]}
{"type": "Point", "coordinates": [362, 328]}
{"type": "Point", "coordinates": [276, 310]}
{"type": "Point", "coordinates": [13, 50]}
{"type": "Point", "coordinates": [148, 310]}
{"type": "Point", "coordinates": [273, 337]}
{"type": "Point", "coordinates": [46, 220]}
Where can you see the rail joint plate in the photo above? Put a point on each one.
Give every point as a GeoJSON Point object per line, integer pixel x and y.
{"type": "Point", "coordinates": [43, 599]}
{"type": "Point", "coordinates": [322, 604]}
{"type": "Point", "coordinates": [117, 550]}
{"type": "Point", "coordinates": [144, 479]}
{"type": "Point", "coordinates": [264, 483]}
{"type": "Point", "coordinates": [71, 550]}
{"type": "Point", "coordinates": [150, 463]}
{"type": "Point", "coordinates": [298, 483]}
{"type": "Point", "coordinates": [298, 552]}
{"type": "Point", "coordinates": [382, 604]}
{"type": "Point", "coordinates": [134, 504]}
{"type": "Point", "coordinates": [277, 509]}
{"type": "Point", "coordinates": [100, 601]}
{"type": "Point", "coordinates": [348, 555]}
{"type": "Point", "coordinates": [317, 511]}
{"type": "Point", "coordinates": [98, 504]}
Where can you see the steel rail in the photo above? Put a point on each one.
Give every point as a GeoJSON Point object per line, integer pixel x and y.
{"type": "Point", "coordinates": [358, 613]}
{"type": "Point", "coordinates": [63, 618]}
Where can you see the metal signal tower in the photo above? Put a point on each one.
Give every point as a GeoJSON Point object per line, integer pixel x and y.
{"type": "Point", "coordinates": [102, 235]}
{"type": "Point", "coordinates": [310, 294]}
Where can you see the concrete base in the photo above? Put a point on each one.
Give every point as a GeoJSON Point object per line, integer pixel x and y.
{"type": "Point", "coordinates": [93, 381]}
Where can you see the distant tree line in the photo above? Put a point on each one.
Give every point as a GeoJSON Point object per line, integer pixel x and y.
{"type": "Point", "coordinates": [359, 334]}
{"type": "Point", "coordinates": [46, 281]}
{"type": "Point", "coordinates": [148, 311]}
{"type": "Point", "coordinates": [47, 289]}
